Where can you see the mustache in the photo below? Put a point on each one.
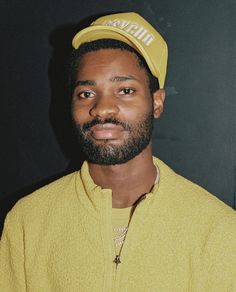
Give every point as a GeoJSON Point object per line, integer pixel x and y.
{"type": "Point", "coordinates": [87, 126]}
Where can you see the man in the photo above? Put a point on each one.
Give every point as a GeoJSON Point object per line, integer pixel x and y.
{"type": "Point", "coordinates": [125, 221]}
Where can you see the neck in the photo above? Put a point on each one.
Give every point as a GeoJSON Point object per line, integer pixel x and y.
{"type": "Point", "coordinates": [128, 181]}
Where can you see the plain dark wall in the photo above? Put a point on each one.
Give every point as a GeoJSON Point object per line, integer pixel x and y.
{"type": "Point", "coordinates": [196, 134]}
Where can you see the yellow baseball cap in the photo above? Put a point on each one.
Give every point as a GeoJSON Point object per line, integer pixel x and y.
{"type": "Point", "coordinates": [134, 30]}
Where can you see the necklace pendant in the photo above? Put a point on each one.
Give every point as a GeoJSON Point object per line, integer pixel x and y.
{"type": "Point", "coordinates": [117, 260]}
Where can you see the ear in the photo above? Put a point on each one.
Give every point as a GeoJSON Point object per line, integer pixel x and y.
{"type": "Point", "coordinates": [158, 102]}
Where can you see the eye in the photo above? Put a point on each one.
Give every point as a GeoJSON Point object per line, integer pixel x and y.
{"type": "Point", "coordinates": [85, 94]}
{"type": "Point", "coordinates": [126, 91]}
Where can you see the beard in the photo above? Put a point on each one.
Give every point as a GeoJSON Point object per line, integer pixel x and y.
{"type": "Point", "coordinates": [139, 137]}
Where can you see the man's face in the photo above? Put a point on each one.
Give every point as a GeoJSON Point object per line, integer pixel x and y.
{"type": "Point", "coordinates": [112, 106]}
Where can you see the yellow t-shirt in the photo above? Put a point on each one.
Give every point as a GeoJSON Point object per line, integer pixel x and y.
{"type": "Point", "coordinates": [120, 221]}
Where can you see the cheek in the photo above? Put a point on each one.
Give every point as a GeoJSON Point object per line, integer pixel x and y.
{"type": "Point", "coordinates": [78, 114]}
{"type": "Point", "coordinates": [137, 110]}
{"type": "Point", "coordinates": [74, 111]}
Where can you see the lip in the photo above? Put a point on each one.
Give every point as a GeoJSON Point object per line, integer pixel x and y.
{"type": "Point", "coordinates": [106, 131]}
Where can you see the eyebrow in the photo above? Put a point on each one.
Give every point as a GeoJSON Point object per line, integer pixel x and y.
{"type": "Point", "coordinates": [84, 82]}
{"type": "Point", "coordinates": [123, 78]}
{"type": "Point", "coordinates": [112, 79]}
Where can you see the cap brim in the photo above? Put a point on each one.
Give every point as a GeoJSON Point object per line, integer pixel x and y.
{"type": "Point", "coordinates": [96, 32]}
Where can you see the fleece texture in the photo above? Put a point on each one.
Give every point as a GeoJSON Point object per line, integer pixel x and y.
{"type": "Point", "coordinates": [59, 239]}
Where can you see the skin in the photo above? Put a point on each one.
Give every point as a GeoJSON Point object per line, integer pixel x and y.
{"type": "Point", "coordinates": [111, 84]}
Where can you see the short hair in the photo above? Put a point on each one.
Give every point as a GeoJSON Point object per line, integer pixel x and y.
{"type": "Point", "coordinates": [108, 44]}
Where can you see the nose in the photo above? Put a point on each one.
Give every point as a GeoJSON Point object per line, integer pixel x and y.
{"type": "Point", "coordinates": [105, 106]}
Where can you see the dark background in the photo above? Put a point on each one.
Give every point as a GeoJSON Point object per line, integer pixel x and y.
{"type": "Point", "coordinates": [196, 134]}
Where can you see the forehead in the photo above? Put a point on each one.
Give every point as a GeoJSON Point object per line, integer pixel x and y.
{"type": "Point", "coordinates": [110, 61]}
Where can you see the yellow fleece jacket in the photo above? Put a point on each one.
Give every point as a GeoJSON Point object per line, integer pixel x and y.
{"type": "Point", "coordinates": [59, 239]}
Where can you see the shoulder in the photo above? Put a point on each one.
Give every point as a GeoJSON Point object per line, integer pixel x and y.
{"type": "Point", "coordinates": [188, 197]}
{"type": "Point", "coordinates": [197, 219]}
{"type": "Point", "coordinates": [40, 201]}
